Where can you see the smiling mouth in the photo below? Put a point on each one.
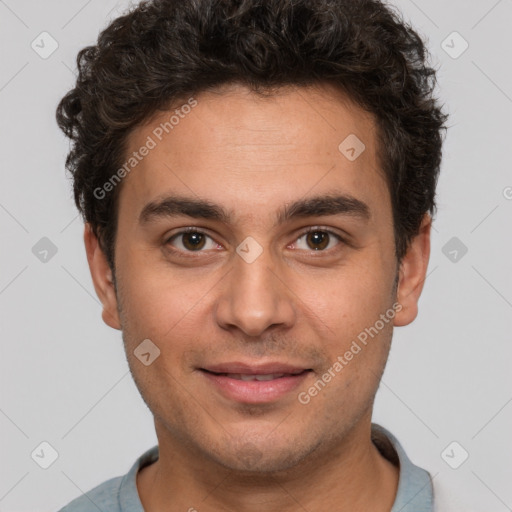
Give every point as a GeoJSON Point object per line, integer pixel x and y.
{"type": "Point", "coordinates": [252, 385]}
{"type": "Point", "coordinates": [248, 377]}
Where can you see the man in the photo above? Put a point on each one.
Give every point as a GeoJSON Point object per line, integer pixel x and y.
{"type": "Point", "coordinates": [257, 180]}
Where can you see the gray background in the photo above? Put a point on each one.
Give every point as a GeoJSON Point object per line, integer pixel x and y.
{"type": "Point", "coordinates": [64, 378]}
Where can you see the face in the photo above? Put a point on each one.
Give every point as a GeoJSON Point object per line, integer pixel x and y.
{"type": "Point", "coordinates": [257, 255]}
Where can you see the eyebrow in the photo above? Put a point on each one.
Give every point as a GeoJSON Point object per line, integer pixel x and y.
{"type": "Point", "coordinates": [319, 206]}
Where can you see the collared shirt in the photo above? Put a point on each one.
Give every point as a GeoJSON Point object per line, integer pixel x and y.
{"type": "Point", "coordinates": [414, 493]}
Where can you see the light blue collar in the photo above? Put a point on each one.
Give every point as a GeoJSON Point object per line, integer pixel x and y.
{"type": "Point", "coordinates": [414, 494]}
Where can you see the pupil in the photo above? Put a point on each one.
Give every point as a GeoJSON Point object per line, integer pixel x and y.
{"type": "Point", "coordinates": [318, 239]}
{"type": "Point", "coordinates": [193, 241]}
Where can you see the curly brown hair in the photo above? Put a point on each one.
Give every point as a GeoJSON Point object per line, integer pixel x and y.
{"type": "Point", "coordinates": [164, 50]}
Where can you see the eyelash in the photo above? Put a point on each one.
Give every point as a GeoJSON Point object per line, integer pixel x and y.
{"type": "Point", "coordinates": [189, 254]}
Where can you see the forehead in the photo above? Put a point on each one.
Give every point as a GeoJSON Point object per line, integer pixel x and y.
{"type": "Point", "coordinates": [252, 153]}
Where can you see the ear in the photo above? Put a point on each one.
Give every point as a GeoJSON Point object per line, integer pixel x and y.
{"type": "Point", "coordinates": [102, 278]}
{"type": "Point", "coordinates": [412, 274]}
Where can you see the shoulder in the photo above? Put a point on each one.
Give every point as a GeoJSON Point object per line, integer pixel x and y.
{"type": "Point", "coordinates": [103, 497]}
{"type": "Point", "coordinates": [119, 494]}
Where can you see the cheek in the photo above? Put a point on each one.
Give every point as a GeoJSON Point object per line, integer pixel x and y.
{"type": "Point", "coordinates": [347, 303]}
{"type": "Point", "coordinates": [155, 301]}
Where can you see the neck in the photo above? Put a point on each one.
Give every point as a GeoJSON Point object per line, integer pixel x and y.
{"type": "Point", "coordinates": [351, 475]}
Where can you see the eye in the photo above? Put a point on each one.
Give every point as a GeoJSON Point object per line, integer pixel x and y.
{"type": "Point", "coordinates": [192, 240]}
{"type": "Point", "coordinates": [317, 240]}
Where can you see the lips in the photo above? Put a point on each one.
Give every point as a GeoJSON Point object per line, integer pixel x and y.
{"type": "Point", "coordinates": [248, 378]}
{"type": "Point", "coordinates": [237, 368]}
{"type": "Point", "coordinates": [256, 384]}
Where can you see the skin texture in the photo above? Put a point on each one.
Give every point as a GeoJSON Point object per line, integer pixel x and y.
{"type": "Point", "coordinates": [252, 156]}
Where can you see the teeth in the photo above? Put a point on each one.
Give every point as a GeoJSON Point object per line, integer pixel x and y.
{"type": "Point", "coordinates": [247, 378]}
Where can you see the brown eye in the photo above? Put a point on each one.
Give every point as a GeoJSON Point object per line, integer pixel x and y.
{"type": "Point", "coordinates": [317, 240]}
{"type": "Point", "coordinates": [192, 241]}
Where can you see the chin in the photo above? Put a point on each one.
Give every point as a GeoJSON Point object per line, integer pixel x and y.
{"type": "Point", "coordinates": [262, 458]}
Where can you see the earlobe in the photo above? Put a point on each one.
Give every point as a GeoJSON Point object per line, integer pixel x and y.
{"type": "Point", "coordinates": [412, 274]}
{"type": "Point", "coordinates": [102, 278]}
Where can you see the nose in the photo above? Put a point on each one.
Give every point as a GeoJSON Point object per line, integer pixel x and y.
{"type": "Point", "coordinates": [254, 298]}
